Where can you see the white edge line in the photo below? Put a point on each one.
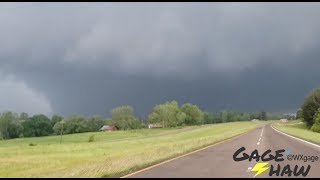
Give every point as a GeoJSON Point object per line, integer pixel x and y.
{"type": "Point", "coordinates": [295, 137]}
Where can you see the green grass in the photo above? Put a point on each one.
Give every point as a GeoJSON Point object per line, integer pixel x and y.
{"type": "Point", "coordinates": [112, 154]}
{"type": "Point", "coordinates": [298, 129]}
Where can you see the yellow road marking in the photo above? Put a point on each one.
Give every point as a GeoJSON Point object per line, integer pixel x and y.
{"type": "Point", "coordinates": [153, 166]}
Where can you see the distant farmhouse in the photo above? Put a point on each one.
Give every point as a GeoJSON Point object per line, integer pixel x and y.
{"type": "Point", "coordinates": [108, 128]}
{"type": "Point", "coordinates": [154, 126]}
{"type": "Point", "coordinates": [284, 120]}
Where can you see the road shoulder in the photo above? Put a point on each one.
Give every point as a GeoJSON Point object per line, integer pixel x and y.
{"type": "Point", "coordinates": [295, 137]}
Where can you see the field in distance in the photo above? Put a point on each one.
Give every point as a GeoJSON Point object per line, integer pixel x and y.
{"type": "Point", "coordinates": [112, 154]}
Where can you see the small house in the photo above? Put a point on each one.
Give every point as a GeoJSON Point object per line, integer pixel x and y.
{"type": "Point", "coordinates": [284, 120]}
{"type": "Point", "coordinates": [108, 128]}
{"type": "Point", "coordinates": [154, 126]}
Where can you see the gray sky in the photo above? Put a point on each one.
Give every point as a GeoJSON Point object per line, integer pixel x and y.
{"type": "Point", "coordinates": [90, 57]}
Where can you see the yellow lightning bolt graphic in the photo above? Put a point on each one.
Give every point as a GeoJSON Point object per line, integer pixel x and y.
{"type": "Point", "coordinates": [259, 167]}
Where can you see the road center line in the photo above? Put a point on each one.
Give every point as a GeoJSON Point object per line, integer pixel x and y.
{"type": "Point", "coordinates": [262, 131]}
{"type": "Point", "coordinates": [258, 143]}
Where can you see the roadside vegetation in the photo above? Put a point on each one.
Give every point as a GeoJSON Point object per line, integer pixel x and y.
{"type": "Point", "coordinates": [307, 125]}
{"type": "Point", "coordinates": [298, 129]}
{"type": "Point", "coordinates": [112, 154]}
{"type": "Point", "coordinates": [310, 110]}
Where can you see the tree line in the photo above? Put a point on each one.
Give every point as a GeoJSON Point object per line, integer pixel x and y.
{"type": "Point", "coordinates": [168, 114]}
{"type": "Point", "coordinates": [13, 125]}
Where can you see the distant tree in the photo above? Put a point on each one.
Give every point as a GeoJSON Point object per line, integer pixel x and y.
{"type": "Point", "coordinates": [180, 119]}
{"type": "Point", "coordinates": [310, 105]}
{"type": "Point", "coordinates": [143, 120]}
{"type": "Point", "coordinates": [217, 117]}
{"type": "Point", "coordinates": [123, 117]}
{"type": "Point", "coordinates": [56, 118]}
{"type": "Point", "coordinates": [299, 114]}
{"type": "Point", "coordinates": [94, 123]}
{"type": "Point", "coordinates": [316, 126]}
{"type": "Point", "coordinates": [75, 124]}
{"type": "Point", "coordinates": [234, 116]}
{"type": "Point", "coordinates": [109, 121]}
{"type": "Point", "coordinates": [224, 116]}
{"type": "Point", "coordinates": [15, 129]}
{"type": "Point", "coordinates": [24, 116]}
{"type": "Point", "coordinates": [263, 115]}
{"type": "Point", "coordinates": [167, 114]}
{"type": "Point", "coordinates": [207, 118]}
{"type": "Point", "coordinates": [10, 127]}
{"type": "Point", "coordinates": [5, 121]}
{"type": "Point", "coordinates": [37, 125]}
{"type": "Point", "coordinates": [246, 117]}
{"type": "Point", "coordinates": [288, 116]}
{"type": "Point", "coordinates": [292, 117]}
{"type": "Point", "coordinates": [273, 116]}
{"type": "Point", "coordinates": [134, 124]}
{"type": "Point", "coordinates": [57, 128]}
{"type": "Point", "coordinates": [194, 115]}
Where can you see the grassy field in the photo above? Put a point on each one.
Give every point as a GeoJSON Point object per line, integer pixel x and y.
{"type": "Point", "coordinates": [112, 154]}
{"type": "Point", "coordinates": [298, 129]}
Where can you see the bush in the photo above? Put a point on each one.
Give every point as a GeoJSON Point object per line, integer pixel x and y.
{"type": "Point", "coordinates": [310, 106]}
{"type": "Point", "coordinates": [134, 124]}
{"type": "Point", "coordinates": [91, 138]}
{"type": "Point", "coordinates": [144, 126]}
{"type": "Point", "coordinates": [31, 144]}
{"type": "Point", "coordinates": [316, 126]}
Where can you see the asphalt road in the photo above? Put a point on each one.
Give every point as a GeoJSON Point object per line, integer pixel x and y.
{"type": "Point", "coordinates": [217, 160]}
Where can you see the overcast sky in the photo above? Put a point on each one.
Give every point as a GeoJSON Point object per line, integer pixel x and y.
{"type": "Point", "coordinates": [64, 58]}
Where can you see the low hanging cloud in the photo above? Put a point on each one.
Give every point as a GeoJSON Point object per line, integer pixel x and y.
{"type": "Point", "coordinates": [91, 57]}
{"type": "Point", "coordinates": [17, 96]}
{"type": "Point", "coordinates": [163, 39]}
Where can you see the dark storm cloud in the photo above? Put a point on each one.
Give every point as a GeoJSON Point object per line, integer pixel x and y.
{"type": "Point", "coordinates": [90, 57]}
